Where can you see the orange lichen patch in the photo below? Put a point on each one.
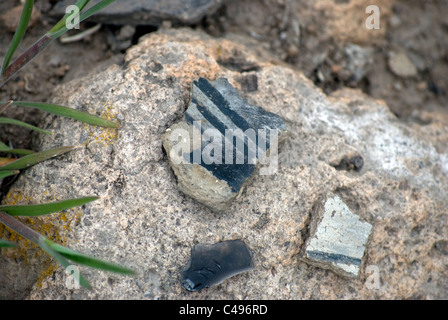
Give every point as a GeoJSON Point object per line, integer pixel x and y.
{"type": "Point", "coordinates": [153, 41]}
{"type": "Point", "coordinates": [101, 135]}
{"type": "Point", "coordinates": [194, 68]}
{"type": "Point", "coordinates": [197, 60]}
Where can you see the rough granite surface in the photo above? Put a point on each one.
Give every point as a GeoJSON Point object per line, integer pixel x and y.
{"type": "Point", "coordinates": [143, 222]}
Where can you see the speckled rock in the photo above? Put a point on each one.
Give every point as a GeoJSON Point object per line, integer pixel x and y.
{"type": "Point", "coordinates": [143, 222]}
{"type": "Point", "coordinates": [401, 65]}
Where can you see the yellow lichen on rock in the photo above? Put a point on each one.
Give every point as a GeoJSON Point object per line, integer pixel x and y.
{"type": "Point", "coordinates": [101, 135]}
{"type": "Point", "coordinates": [48, 271]}
{"type": "Point", "coordinates": [47, 225]}
{"type": "Point", "coordinates": [55, 227]}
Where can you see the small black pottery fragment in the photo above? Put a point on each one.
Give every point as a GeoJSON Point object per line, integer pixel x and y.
{"type": "Point", "coordinates": [210, 264]}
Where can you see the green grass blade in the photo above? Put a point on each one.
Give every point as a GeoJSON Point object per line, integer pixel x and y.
{"type": "Point", "coordinates": [18, 35]}
{"type": "Point", "coordinates": [96, 8]}
{"type": "Point", "coordinates": [5, 149]}
{"type": "Point", "coordinates": [87, 260]}
{"type": "Point", "coordinates": [61, 23]}
{"type": "Point", "coordinates": [34, 158]}
{"type": "Point", "coordinates": [69, 113]}
{"type": "Point", "coordinates": [46, 208]}
{"type": "Point", "coordinates": [10, 70]}
{"type": "Point", "coordinates": [7, 173]}
{"type": "Point", "coordinates": [38, 239]}
{"type": "Point", "coordinates": [84, 15]}
{"type": "Point", "coordinates": [59, 29]}
{"type": "Point", "coordinates": [46, 245]}
{"type": "Point", "coordinates": [22, 152]}
{"type": "Point", "coordinates": [22, 124]}
{"type": "Point", "coordinates": [7, 244]}
{"type": "Point", "coordinates": [25, 58]}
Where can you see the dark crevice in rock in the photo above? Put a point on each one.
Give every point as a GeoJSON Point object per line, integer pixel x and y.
{"type": "Point", "coordinates": [6, 184]}
{"type": "Point", "coordinates": [306, 231]}
{"type": "Point", "coordinates": [238, 63]}
{"type": "Point", "coordinates": [249, 82]}
{"type": "Point", "coordinates": [141, 31]}
{"type": "Point", "coordinates": [354, 163]}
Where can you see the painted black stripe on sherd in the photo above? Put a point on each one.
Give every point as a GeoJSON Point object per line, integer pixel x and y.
{"type": "Point", "coordinates": [189, 119]}
{"type": "Point", "coordinates": [218, 124]}
{"type": "Point", "coordinates": [333, 257]}
{"type": "Point", "coordinates": [214, 121]}
{"type": "Point", "coordinates": [233, 174]}
{"type": "Point", "coordinates": [216, 97]}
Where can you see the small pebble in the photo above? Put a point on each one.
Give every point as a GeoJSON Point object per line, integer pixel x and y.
{"type": "Point", "coordinates": [401, 65]}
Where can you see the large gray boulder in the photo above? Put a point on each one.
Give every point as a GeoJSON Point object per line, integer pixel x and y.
{"type": "Point", "coordinates": [147, 12]}
{"type": "Point", "coordinates": [391, 175]}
